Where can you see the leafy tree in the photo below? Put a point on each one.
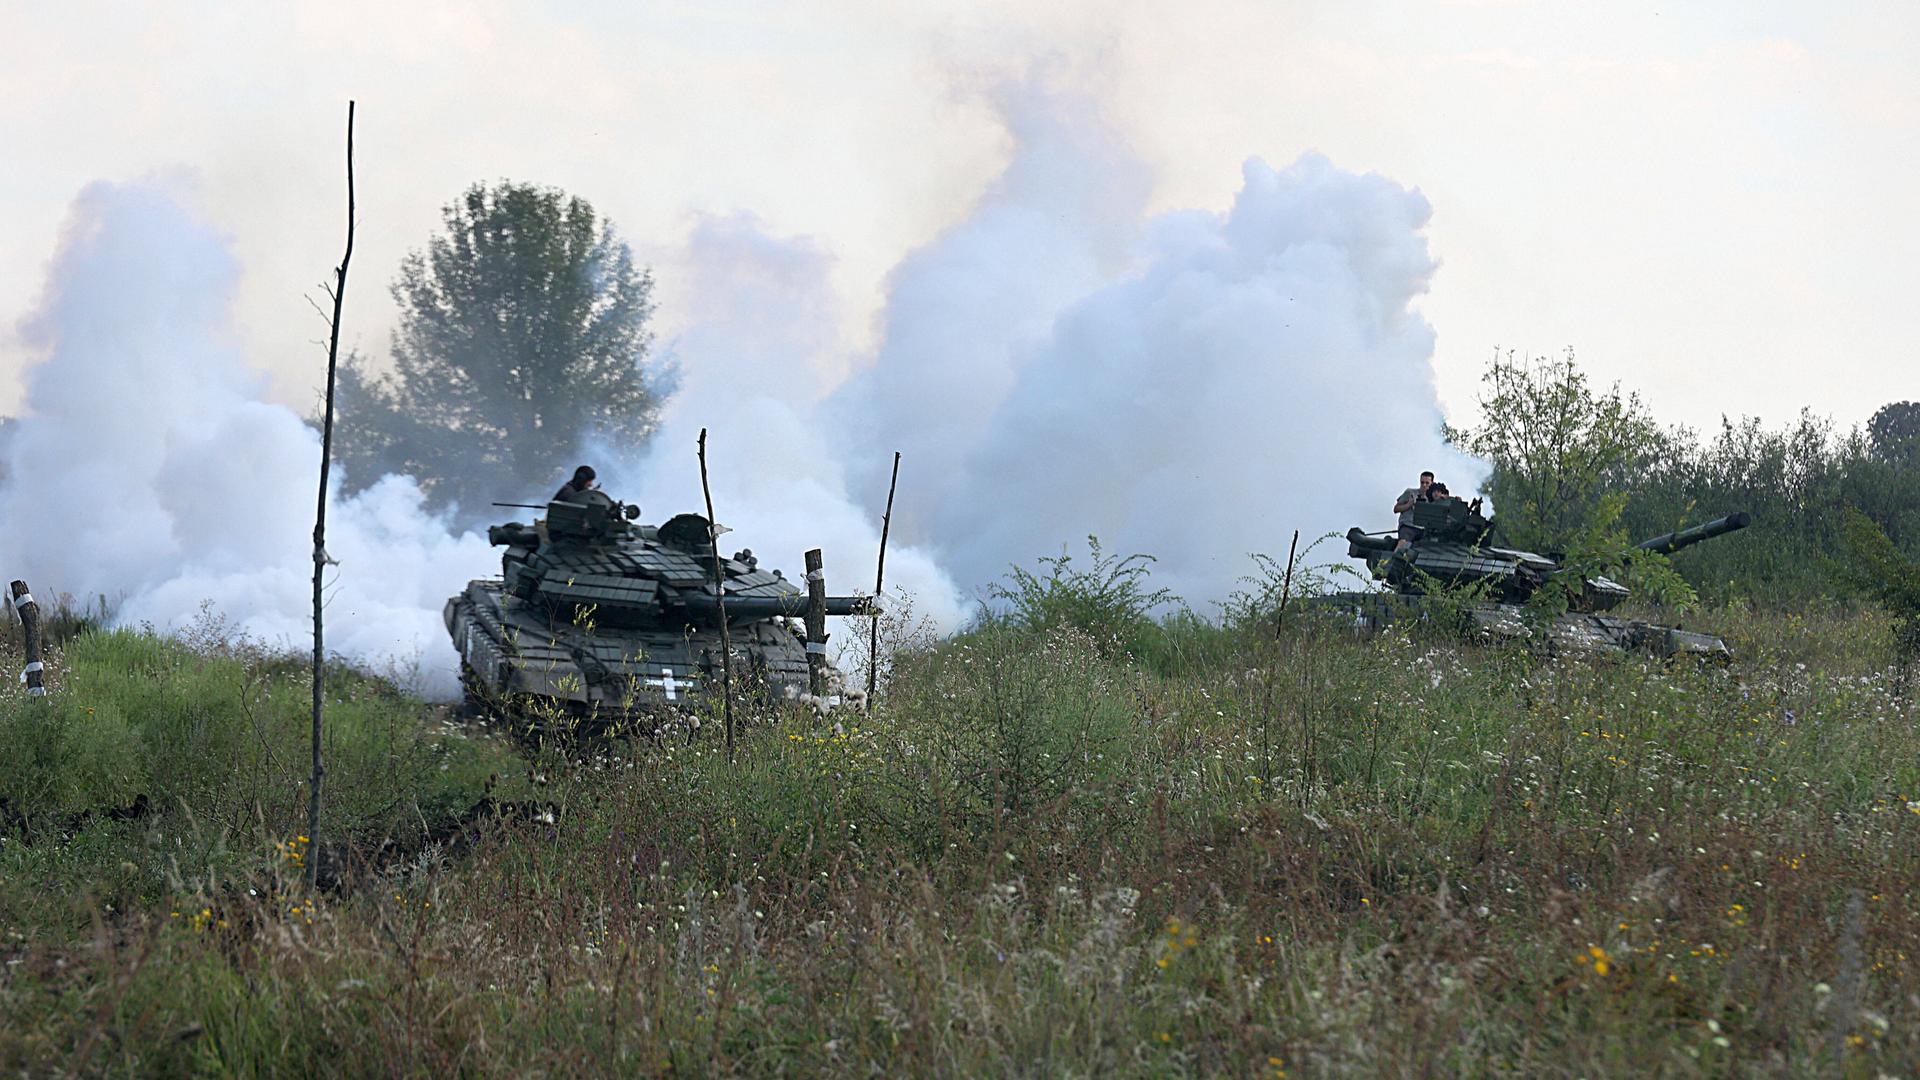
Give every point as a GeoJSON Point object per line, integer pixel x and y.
{"type": "Point", "coordinates": [1894, 433]}
{"type": "Point", "coordinates": [1564, 456]}
{"type": "Point", "coordinates": [523, 331]}
{"type": "Point", "coordinates": [1876, 568]}
{"type": "Point", "coordinates": [1556, 445]}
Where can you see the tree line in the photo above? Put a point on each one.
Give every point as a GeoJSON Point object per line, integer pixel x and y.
{"type": "Point", "coordinates": [1828, 504]}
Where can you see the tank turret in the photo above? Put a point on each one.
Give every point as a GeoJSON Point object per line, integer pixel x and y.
{"type": "Point", "coordinates": [605, 617]}
{"type": "Point", "coordinates": [1455, 545]}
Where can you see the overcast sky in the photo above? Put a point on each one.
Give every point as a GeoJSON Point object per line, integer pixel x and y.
{"type": "Point", "coordinates": [1714, 203]}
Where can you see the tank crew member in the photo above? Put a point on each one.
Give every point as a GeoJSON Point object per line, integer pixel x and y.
{"type": "Point", "coordinates": [583, 481]}
{"type": "Point", "coordinates": [1404, 507]}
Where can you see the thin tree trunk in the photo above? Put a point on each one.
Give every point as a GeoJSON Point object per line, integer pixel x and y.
{"type": "Point", "coordinates": [879, 579]}
{"type": "Point", "coordinates": [320, 558]}
{"type": "Point", "coordinates": [719, 596]}
{"type": "Point", "coordinates": [1286, 587]}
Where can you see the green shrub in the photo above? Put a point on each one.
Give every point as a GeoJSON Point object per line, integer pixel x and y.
{"type": "Point", "coordinates": [1109, 601]}
{"type": "Point", "coordinates": [1000, 730]}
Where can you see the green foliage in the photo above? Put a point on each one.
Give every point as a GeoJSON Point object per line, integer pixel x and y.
{"type": "Point", "coordinates": [1255, 605]}
{"type": "Point", "coordinates": [1873, 566]}
{"type": "Point", "coordinates": [1796, 481]}
{"type": "Point", "coordinates": [1600, 548]}
{"type": "Point", "coordinates": [216, 740]}
{"type": "Point", "coordinates": [1893, 433]}
{"type": "Point", "coordinates": [1006, 725]}
{"type": "Point", "coordinates": [1556, 444]}
{"type": "Point", "coordinates": [523, 332]}
{"type": "Point", "coordinates": [1320, 854]}
{"type": "Point", "coordinates": [1109, 601]}
{"type": "Point", "coordinates": [1446, 607]}
{"type": "Point", "coordinates": [1558, 447]}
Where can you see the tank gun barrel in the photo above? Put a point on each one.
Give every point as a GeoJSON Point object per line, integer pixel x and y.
{"type": "Point", "coordinates": [1359, 542]}
{"type": "Point", "coordinates": [766, 607]}
{"type": "Point", "coordinates": [1667, 543]}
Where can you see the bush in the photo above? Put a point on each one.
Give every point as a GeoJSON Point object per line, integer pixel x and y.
{"type": "Point", "coordinates": [1109, 601]}
{"type": "Point", "coordinates": [1004, 729]}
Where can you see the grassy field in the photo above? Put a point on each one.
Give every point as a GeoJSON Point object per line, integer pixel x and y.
{"type": "Point", "coordinates": [1203, 851]}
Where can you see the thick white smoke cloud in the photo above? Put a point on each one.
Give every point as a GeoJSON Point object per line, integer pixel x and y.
{"type": "Point", "coordinates": [1242, 375]}
{"type": "Point", "coordinates": [1261, 372]}
{"type": "Point", "coordinates": [147, 469]}
{"type": "Point", "coordinates": [965, 314]}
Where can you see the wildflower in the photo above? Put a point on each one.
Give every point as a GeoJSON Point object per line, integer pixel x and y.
{"type": "Point", "coordinates": [1598, 957]}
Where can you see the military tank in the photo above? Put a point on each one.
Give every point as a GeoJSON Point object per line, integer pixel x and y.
{"type": "Point", "coordinates": [1458, 546]}
{"type": "Point", "coordinates": [598, 620]}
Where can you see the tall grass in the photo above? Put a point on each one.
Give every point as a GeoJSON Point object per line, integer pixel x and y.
{"type": "Point", "coordinates": [155, 761]}
{"type": "Point", "coordinates": [1208, 851]}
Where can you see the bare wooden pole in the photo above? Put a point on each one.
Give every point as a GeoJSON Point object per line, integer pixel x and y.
{"type": "Point", "coordinates": [1286, 586]}
{"type": "Point", "coordinates": [719, 597]}
{"type": "Point", "coordinates": [879, 579]}
{"type": "Point", "coordinates": [30, 629]}
{"type": "Point", "coordinates": [320, 557]}
{"type": "Point", "coordinates": [816, 624]}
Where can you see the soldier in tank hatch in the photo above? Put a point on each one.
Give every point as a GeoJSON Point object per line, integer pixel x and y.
{"type": "Point", "coordinates": [583, 481]}
{"type": "Point", "coordinates": [1404, 507]}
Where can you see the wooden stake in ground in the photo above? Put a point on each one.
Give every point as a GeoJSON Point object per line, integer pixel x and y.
{"type": "Point", "coordinates": [816, 624]}
{"type": "Point", "coordinates": [719, 596]}
{"type": "Point", "coordinates": [1286, 586]}
{"type": "Point", "coordinates": [320, 557]}
{"type": "Point", "coordinates": [879, 578]}
{"type": "Point", "coordinates": [30, 629]}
